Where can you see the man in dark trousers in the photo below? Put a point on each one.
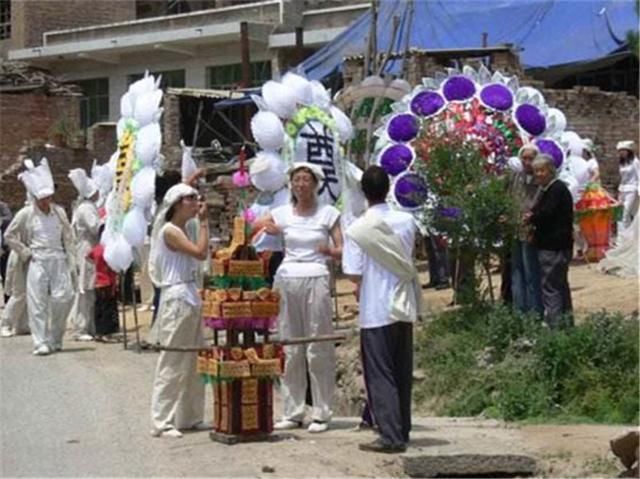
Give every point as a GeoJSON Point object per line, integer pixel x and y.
{"type": "Point", "coordinates": [552, 219]}
{"type": "Point", "coordinates": [378, 256]}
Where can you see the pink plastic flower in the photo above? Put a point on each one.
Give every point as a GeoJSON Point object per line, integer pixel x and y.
{"type": "Point", "coordinates": [241, 179]}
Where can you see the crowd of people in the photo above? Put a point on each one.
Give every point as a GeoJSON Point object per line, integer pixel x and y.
{"type": "Point", "coordinates": [56, 266]}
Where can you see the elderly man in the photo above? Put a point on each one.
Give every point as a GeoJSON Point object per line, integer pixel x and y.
{"type": "Point", "coordinates": [41, 234]}
{"type": "Point", "coordinates": [552, 219]}
{"type": "Point", "coordinates": [525, 268]}
{"type": "Point", "coordinates": [378, 256]}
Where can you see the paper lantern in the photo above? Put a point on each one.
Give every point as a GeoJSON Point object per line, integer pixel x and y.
{"type": "Point", "coordinates": [595, 213]}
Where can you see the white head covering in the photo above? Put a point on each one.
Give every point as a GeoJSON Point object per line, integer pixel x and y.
{"type": "Point", "coordinates": [85, 186]}
{"type": "Point", "coordinates": [626, 145]}
{"type": "Point", "coordinates": [315, 170]}
{"type": "Point", "coordinates": [37, 179]}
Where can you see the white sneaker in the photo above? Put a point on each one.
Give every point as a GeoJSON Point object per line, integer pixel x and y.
{"type": "Point", "coordinates": [6, 332]}
{"type": "Point", "coordinates": [201, 426]}
{"type": "Point", "coordinates": [318, 426]}
{"type": "Point", "coordinates": [84, 337]}
{"type": "Point", "coordinates": [42, 350]}
{"type": "Point", "coordinates": [285, 424]}
{"type": "Point", "coordinates": [172, 433]}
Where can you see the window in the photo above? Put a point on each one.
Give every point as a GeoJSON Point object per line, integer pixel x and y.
{"type": "Point", "coordinates": [5, 19]}
{"type": "Point", "coordinates": [170, 78]}
{"type": "Point", "coordinates": [229, 77]}
{"type": "Point", "coordinates": [94, 105]}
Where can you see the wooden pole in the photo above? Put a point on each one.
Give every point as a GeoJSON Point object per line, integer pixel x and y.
{"type": "Point", "coordinates": [282, 342]}
{"type": "Point", "coordinates": [299, 52]}
{"type": "Point", "coordinates": [124, 310]}
{"type": "Point", "coordinates": [246, 72]}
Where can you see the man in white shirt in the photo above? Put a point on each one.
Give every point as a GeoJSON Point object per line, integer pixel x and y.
{"type": "Point", "coordinates": [378, 256]}
{"type": "Point", "coordinates": [41, 234]}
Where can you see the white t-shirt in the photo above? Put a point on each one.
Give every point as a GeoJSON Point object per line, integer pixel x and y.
{"type": "Point", "coordinates": [302, 237]}
{"type": "Point", "coordinates": [629, 176]}
{"type": "Point", "coordinates": [46, 239]}
{"type": "Point", "coordinates": [378, 284]}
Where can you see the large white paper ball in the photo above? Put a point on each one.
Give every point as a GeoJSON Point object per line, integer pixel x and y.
{"type": "Point", "coordinates": [268, 171]}
{"type": "Point", "coordinates": [146, 107]}
{"type": "Point", "coordinates": [320, 94]}
{"type": "Point", "coordinates": [118, 254]}
{"type": "Point", "coordinates": [126, 107]}
{"type": "Point", "coordinates": [143, 187]}
{"type": "Point", "coordinates": [343, 124]}
{"type": "Point", "coordinates": [299, 88]}
{"type": "Point", "coordinates": [278, 99]}
{"type": "Point", "coordinates": [267, 130]}
{"type": "Point", "coordinates": [134, 227]}
{"type": "Point", "coordinates": [148, 143]}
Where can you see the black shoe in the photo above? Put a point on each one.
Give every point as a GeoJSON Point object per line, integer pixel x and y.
{"type": "Point", "coordinates": [429, 285]}
{"type": "Point", "coordinates": [382, 447]}
{"type": "Point", "coordinates": [441, 286]}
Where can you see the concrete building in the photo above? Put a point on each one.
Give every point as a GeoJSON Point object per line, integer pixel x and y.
{"type": "Point", "coordinates": [104, 45]}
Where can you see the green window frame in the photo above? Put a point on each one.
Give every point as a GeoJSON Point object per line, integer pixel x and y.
{"type": "Point", "coordinates": [229, 77]}
{"type": "Point", "coordinates": [94, 105]}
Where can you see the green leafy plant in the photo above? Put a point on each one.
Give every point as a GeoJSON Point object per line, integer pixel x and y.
{"type": "Point", "coordinates": [473, 209]}
{"type": "Point", "coordinates": [489, 360]}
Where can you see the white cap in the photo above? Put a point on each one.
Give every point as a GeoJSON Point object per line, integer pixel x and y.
{"type": "Point", "coordinates": [176, 193]}
{"type": "Point", "coordinates": [85, 186]}
{"type": "Point", "coordinates": [315, 170]}
{"type": "Point", "coordinates": [625, 145]}
{"type": "Point", "coordinates": [37, 179]}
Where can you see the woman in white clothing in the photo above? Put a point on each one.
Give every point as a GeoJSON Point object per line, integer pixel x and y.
{"type": "Point", "coordinates": [303, 281]}
{"type": "Point", "coordinates": [629, 179]}
{"type": "Point", "coordinates": [177, 401]}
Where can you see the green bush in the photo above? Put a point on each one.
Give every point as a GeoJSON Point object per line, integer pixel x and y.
{"type": "Point", "coordinates": [493, 361]}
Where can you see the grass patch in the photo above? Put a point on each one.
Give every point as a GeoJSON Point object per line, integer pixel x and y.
{"type": "Point", "coordinates": [492, 361]}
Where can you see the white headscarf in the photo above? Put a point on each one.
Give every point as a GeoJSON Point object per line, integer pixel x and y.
{"type": "Point", "coordinates": [85, 186]}
{"type": "Point", "coordinates": [315, 170]}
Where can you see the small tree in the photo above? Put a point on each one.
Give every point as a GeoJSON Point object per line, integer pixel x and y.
{"type": "Point", "coordinates": [472, 205]}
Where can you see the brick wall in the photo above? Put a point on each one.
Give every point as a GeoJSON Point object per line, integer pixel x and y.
{"type": "Point", "coordinates": [605, 117]}
{"type": "Point", "coordinates": [102, 141]}
{"type": "Point", "coordinates": [61, 160]}
{"type": "Point", "coordinates": [30, 19]}
{"type": "Point", "coordinates": [28, 118]}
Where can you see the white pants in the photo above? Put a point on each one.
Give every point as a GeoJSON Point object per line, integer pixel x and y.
{"type": "Point", "coordinates": [629, 209]}
{"type": "Point", "coordinates": [82, 315]}
{"type": "Point", "coordinates": [14, 315]}
{"type": "Point", "coordinates": [49, 297]}
{"type": "Point", "coordinates": [177, 400]}
{"type": "Point", "coordinates": [306, 311]}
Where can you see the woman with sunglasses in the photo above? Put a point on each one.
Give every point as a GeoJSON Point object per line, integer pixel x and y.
{"type": "Point", "coordinates": [177, 401]}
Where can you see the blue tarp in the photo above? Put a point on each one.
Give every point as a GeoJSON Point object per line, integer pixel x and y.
{"type": "Point", "coordinates": [548, 32]}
